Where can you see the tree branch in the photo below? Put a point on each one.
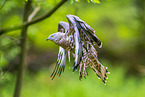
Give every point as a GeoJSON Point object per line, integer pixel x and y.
{"type": "Point", "coordinates": [34, 13]}
{"type": "Point", "coordinates": [4, 30]}
{"type": "Point", "coordinates": [23, 53]}
{"type": "Point", "coordinates": [3, 4]}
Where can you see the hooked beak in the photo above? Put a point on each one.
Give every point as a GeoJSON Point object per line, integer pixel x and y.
{"type": "Point", "coordinates": [48, 39]}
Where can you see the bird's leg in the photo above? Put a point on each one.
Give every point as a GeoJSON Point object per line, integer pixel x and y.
{"type": "Point", "coordinates": [80, 71]}
{"type": "Point", "coordinates": [84, 61]}
{"type": "Point", "coordinates": [84, 71]}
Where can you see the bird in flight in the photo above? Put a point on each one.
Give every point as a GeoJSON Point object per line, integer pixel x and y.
{"type": "Point", "coordinates": [77, 38]}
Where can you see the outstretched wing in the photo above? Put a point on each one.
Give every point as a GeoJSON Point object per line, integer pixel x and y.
{"type": "Point", "coordinates": [73, 29]}
{"type": "Point", "coordinates": [79, 28]}
{"type": "Point", "coordinates": [87, 31]}
{"type": "Point", "coordinates": [60, 65]}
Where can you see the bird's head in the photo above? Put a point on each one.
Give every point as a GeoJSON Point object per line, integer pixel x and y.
{"type": "Point", "coordinates": [56, 37]}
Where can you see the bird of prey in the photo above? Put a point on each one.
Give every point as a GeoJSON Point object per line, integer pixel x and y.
{"type": "Point", "coordinates": [77, 38]}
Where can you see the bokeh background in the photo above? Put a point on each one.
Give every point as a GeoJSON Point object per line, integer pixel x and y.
{"type": "Point", "coordinates": [119, 24]}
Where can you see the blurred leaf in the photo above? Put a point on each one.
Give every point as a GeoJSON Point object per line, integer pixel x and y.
{"type": "Point", "coordinates": [88, 1]}
{"type": "Point", "coordinates": [94, 1]}
{"type": "Point", "coordinates": [77, 0]}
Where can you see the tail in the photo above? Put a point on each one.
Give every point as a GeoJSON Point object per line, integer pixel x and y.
{"type": "Point", "coordinates": [100, 71]}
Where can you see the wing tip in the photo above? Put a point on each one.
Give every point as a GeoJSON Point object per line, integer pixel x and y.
{"type": "Point", "coordinates": [100, 45]}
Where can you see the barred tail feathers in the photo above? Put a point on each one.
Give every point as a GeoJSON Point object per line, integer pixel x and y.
{"type": "Point", "coordinates": [100, 71]}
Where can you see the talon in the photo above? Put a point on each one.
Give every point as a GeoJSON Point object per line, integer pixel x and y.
{"type": "Point", "coordinates": [80, 75]}
{"type": "Point", "coordinates": [86, 72]}
{"type": "Point", "coordinates": [83, 74]}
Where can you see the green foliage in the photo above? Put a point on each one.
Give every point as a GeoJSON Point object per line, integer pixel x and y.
{"type": "Point", "coordinates": [93, 1]}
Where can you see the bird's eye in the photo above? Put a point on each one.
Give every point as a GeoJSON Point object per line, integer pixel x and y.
{"type": "Point", "coordinates": [52, 36]}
